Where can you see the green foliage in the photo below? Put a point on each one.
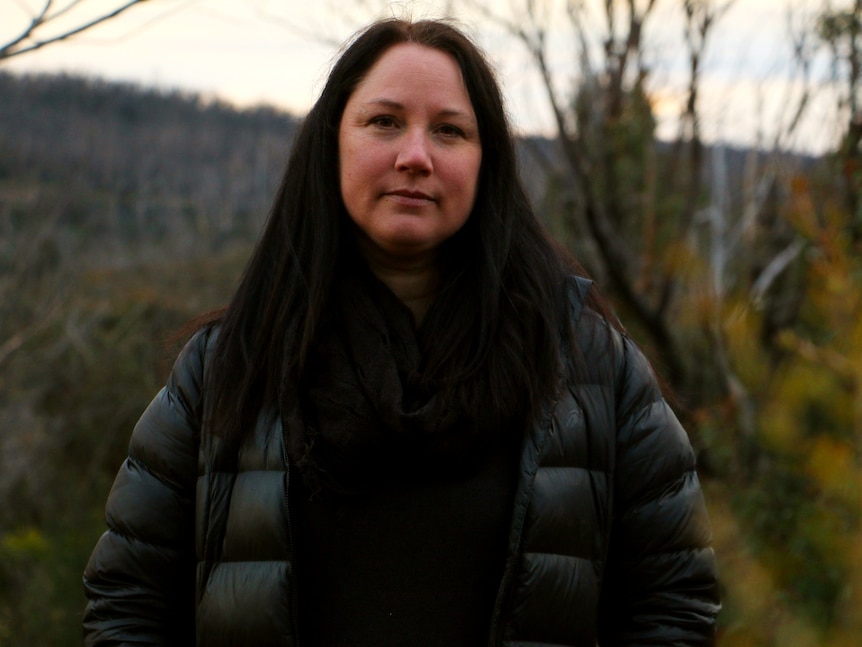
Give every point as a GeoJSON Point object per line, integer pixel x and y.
{"type": "Point", "coordinates": [41, 574]}
{"type": "Point", "coordinates": [797, 500]}
{"type": "Point", "coordinates": [70, 397]}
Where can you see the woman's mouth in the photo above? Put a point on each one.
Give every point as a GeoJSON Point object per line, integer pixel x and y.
{"type": "Point", "coordinates": [410, 198]}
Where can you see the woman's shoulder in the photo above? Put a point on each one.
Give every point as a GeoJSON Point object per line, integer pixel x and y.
{"type": "Point", "coordinates": [188, 373]}
{"type": "Point", "coordinates": [164, 440]}
{"type": "Point", "coordinates": [594, 329]}
{"type": "Point", "coordinates": [605, 348]}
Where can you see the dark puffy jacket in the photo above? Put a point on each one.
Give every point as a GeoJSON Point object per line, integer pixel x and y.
{"type": "Point", "coordinates": [609, 542]}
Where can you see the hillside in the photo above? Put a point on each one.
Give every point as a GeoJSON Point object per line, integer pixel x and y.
{"type": "Point", "coordinates": [118, 162]}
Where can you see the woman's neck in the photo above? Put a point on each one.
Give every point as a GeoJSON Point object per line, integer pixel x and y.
{"type": "Point", "coordinates": [414, 282]}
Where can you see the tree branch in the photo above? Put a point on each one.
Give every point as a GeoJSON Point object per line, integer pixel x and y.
{"type": "Point", "coordinates": [8, 50]}
{"type": "Point", "coordinates": [28, 31]}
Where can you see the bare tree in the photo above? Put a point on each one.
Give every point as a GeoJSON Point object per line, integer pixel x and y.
{"type": "Point", "coordinates": [841, 31]}
{"type": "Point", "coordinates": [34, 36]}
{"type": "Point", "coordinates": [605, 129]}
{"type": "Point", "coordinates": [666, 235]}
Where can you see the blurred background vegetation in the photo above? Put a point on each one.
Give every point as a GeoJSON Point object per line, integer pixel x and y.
{"type": "Point", "coordinates": [125, 212]}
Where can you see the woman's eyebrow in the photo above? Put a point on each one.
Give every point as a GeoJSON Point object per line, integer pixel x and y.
{"type": "Point", "coordinates": [395, 105]}
{"type": "Point", "coordinates": [389, 103]}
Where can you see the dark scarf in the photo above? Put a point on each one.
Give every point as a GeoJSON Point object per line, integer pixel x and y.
{"type": "Point", "coordinates": [365, 415]}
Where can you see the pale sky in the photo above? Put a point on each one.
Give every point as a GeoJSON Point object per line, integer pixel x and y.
{"type": "Point", "coordinates": [277, 52]}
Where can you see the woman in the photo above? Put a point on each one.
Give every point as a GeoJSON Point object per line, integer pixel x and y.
{"type": "Point", "coordinates": [413, 424]}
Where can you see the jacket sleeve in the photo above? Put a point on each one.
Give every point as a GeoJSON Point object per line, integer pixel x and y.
{"type": "Point", "coordinates": [140, 577]}
{"type": "Point", "coordinates": [660, 585]}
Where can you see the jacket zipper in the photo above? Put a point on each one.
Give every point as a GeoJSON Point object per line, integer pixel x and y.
{"type": "Point", "coordinates": [531, 450]}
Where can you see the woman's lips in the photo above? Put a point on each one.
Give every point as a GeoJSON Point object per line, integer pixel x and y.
{"type": "Point", "coordinates": [410, 198]}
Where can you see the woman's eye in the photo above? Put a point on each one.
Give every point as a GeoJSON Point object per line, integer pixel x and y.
{"type": "Point", "coordinates": [384, 121]}
{"type": "Point", "coordinates": [450, 131]}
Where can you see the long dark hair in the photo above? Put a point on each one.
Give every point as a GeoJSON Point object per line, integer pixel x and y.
{"type": "Point", "coordinates": [496, 328]}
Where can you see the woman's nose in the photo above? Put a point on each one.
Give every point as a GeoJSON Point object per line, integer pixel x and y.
{"type": "Point", "coordinates": [414, 155]}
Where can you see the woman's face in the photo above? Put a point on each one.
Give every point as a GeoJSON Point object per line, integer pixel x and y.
{"type": "Point", "coordinates": [409, 153]}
